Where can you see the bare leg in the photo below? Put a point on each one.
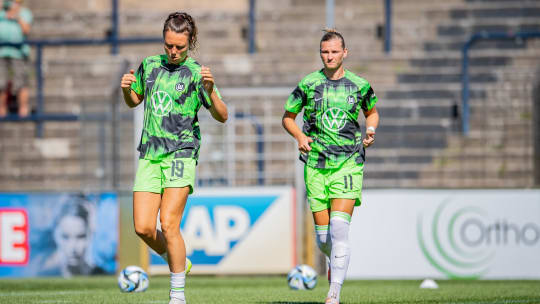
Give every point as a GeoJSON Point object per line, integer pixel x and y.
{"type": "Point", "coordinates": [145, 211]}
{"type": "Point", "coordinates": [3, 103]}
{"type": "Point", "coordinates": [22, 98]}
{"type": "Point", "coordinates": [322, 217]}
{"type": "Point", "coordinates": [172, 209]}
{"type": "Point", "coordinates": [338, 204]}
{"type": "Point", "coordinates": [343, 205]}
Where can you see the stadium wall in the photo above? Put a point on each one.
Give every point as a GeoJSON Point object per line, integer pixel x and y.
{"type": "Point", "coordinates": [446, 234]}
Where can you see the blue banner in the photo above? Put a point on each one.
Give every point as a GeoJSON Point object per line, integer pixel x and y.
{"type": "Point", "coordinates": [58, 234]}
{"type": "Point", "coordinates": [215, 225]}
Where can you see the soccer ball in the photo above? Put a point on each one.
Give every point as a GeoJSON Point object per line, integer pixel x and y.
{"type": "Point", "coordinates": [133, 279]}
{"type": "Point", "coordinates": [302, 277]}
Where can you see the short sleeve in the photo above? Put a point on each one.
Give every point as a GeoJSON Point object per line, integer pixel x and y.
{"type": "Point", "coordinates": [369, 99]}
{"type": "Point", "coordinates": [138, 86]}
{"type": "Point", "coordinates": [297, 99]}
{"type": "Point", "coordinates": [26, 16]}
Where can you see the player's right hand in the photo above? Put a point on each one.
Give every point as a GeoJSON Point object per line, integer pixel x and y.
{"type": "Point", "coordinates": [303, 143]}
{"type": "Point", "coordinates": [128, 79]}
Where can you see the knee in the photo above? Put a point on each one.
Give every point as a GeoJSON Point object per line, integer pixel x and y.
{"type": "Point", "coordinates": [169, 225]}
{"type": "Point", "coordinates": [145, 231]}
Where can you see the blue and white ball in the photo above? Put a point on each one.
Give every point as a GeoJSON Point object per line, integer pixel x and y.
{"type": "Point", "coordinates": [302, 277]}
{"type": "Point", "coordinates": [133, 279]}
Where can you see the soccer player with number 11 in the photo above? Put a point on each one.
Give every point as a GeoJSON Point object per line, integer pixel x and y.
{"type": "Point", "coordinates": [332, 148]}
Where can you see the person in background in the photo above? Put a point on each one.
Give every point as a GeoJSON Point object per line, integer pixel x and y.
{"type": "Point", "coordinates": [333, 150]}
{"type": "Point", "coordinates": [15, 22]}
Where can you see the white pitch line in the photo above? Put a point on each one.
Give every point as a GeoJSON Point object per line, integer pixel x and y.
{"type": "Point", "coordinates": [41, 292]}
{"type": "Point", "coordinates": [498, 302]}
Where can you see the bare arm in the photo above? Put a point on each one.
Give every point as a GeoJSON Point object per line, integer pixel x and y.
{"type": "Point", "coordinates": [290, 125]}
{"type": "Point", "coordinates": [131, 98]}
{"type": "Point", "coordinates": [372, 122]}
{"type": "Point", "coordinates": [218, 108]}
{"type": "Point", "coordinates": [25, 27]}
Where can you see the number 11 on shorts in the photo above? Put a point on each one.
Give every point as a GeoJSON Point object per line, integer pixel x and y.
{"type": "Point", "coordinates": [349, 183]}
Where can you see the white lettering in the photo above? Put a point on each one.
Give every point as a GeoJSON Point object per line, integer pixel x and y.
{"type": "Point", "coordinates": [13, 237]}
{"type": "Point", "coordinates": [198, 231]}
{"type": "Point", "coordinates": [231, 223]}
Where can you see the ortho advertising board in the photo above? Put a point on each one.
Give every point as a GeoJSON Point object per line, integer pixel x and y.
{"type": "Point", "coordinates": [57, 234]}
{"type": "Point", "coordinates": [458, 234]}
{"type": "Point", "coordinates": [238, 231]}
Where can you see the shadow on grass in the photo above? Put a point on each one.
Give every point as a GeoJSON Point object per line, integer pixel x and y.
{"type": "Point", "coordinates": [289, 302]}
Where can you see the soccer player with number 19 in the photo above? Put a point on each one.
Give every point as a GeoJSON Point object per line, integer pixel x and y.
{"type": "Point", "coordinates": [173, 87]}
{"type": "Point", "coordinates": [333, 150]}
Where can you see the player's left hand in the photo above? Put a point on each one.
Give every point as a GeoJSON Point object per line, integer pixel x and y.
{"type": "Point", "coordinates": [207, 79]}
{"type": "Point", "coordinates": [369, 139]}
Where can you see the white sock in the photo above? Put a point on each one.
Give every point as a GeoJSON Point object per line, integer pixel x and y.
{"type": "Point", "coordinates": [339, 259]}
{"type": "Point", "coordinates": [177, 285]}
{"type": "Point", "coordinates": [323, 239]}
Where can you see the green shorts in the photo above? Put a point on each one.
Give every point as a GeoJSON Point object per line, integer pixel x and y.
{"type": "Point", "coordinates": [156, 175]}
{"type": "Point", "coordinates": [322, 185]}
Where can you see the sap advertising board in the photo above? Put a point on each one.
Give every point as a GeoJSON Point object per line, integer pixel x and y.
{"type": "Point", "coordinates": [58, 234]}
{"type": "Point", "coordinates": [457, 234]}
{"type": "Point", "coordinates": [238, 230]}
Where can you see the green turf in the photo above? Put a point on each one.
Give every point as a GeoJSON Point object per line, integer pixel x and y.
{"type": "Point", "coordinates": [265, 290]}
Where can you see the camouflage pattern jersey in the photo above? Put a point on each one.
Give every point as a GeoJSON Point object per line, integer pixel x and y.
{"type": "Point", "coordinates": [331, 109]}
{"type": "Point", "coordinates": [173, 94]}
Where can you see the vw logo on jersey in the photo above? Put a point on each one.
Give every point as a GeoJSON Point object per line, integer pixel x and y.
{"type": "Point", "coordinates": [334, 119]}
{"type": "Point", "coordinates": [179, 86]}
{"type": "Point", "coordinates": [350, 99]}
{"type": "Point", "coordinates": [161, 103]}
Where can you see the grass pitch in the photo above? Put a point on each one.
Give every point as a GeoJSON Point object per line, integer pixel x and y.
{"type": "Point", "coordinates": [265, 290]}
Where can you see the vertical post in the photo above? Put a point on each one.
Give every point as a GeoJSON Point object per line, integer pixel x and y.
{"type": "Point", "coordinates": [114, 27]}
{"type": "Point", "coordinates": [251, 29]}
{"type": "Point", "coordinates": [300, 199]}
{"type": "Point", "coordinates": [465, 88]}
{"type": "Point", "coordinates": [231, 148]}
{"type": "Point", "coordinates": [39, 83]}
{"type": "Point", "coordinates": [536, 129]}
{"type": "Point", "coordinates": [100, 172]}
{"type": "Point", "coordinates": [116, 98]}
{"type": "Point", "coordinates": [114, 138]}
{"type": "Point", "coordinates": [330, 4]}
{"type": "Point", "coordinates": [260, 152]}
{"type": "Point", "coordinates": [388, 26]}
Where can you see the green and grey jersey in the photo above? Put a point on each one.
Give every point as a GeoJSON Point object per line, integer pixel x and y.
{"type": "Point", "coordinates": [173, 94]}
{"type": "Point", "coordinates": [331, 109]}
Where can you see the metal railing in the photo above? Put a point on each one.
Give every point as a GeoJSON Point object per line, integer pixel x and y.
{"type": "Point", "coordinates": [465, 89]}
{"type": "Point", "coordinates": [251, 27]}
{"type": "Point", "coordinates": [39, 117]}
{"type": "Point", "coordinates": [388, 26]}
